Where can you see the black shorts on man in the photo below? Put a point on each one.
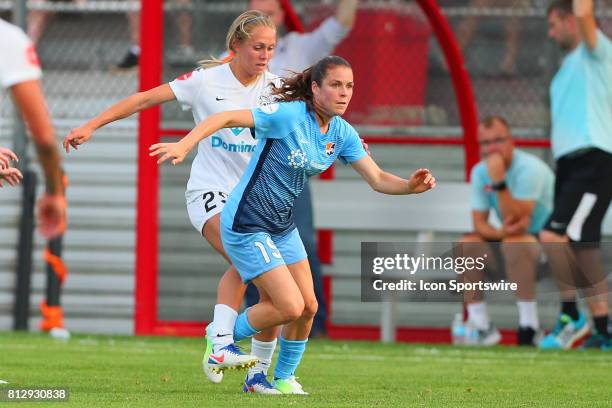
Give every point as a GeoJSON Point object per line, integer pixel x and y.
{"type": "Point", "coordinates": [583, 191]}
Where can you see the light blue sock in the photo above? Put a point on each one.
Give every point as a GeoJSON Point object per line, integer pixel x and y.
{"type": "Point", "coordinates": [289, 357]}
{"type": "Point", "coordinates": [242, 327]}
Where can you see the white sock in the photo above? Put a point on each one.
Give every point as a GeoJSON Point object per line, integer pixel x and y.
{"type": "Point", "coordinates": [221, 331]}
{"type": "Point", "coordinates": [528, 314]}
{"type": "Point", "coordinates": [263, 350]}
{"type": "Point", "coordinates": [135, 49]}
{"type": "Point", "coordinates": [478, 315]}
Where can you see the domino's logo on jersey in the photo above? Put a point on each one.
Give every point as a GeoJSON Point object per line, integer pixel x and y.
{"type": "Point", "coordinates": [297, 159]}
{"type": "Point", "coordinates": [236, 130]}
{"type": "Point", "coordinates": [242, 147]}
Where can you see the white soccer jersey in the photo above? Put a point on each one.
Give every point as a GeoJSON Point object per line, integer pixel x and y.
{"type": "Point", "coordinates": [222, 157]}
{"type": "Point", "coordinates": [18, 59]}
{"type": "Point", "coordinates": [297, 51]}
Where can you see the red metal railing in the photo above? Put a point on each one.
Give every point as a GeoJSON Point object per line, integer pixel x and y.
{"type": "Point", "coordinates": [151, 33]}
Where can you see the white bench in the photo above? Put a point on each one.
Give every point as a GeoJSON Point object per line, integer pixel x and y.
{"type": "Point", "coordinates": [351, 205]}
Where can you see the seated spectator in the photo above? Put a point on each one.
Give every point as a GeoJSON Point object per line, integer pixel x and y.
{"type": "Point", "coordinates": [519, 187]}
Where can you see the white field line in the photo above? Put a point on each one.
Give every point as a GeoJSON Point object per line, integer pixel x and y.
{"type": "Point", "coordinates": [606, 362]}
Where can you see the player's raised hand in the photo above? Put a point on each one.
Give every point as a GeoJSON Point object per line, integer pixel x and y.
{"type": "Point", "coordinates": [420, 181]}
{"type": "Point", "coordinates": [175, 151]}
{"type": "Point", "coordinates": [77, 137]}
{"type": "Point", "coordinates": [6, 155]}
{"type": "Point", "coordinates": [11, 175]}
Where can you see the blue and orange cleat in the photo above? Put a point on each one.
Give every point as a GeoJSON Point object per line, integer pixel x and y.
{"type": "Point", "coordinates": [259, 384]}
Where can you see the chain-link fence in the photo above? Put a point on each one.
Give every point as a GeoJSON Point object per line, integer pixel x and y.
{"type": "Point", "coordinates": [401, 74]}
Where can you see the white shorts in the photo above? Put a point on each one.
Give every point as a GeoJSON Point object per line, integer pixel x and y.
{"type": "Point", "coordinates": [204, 205]}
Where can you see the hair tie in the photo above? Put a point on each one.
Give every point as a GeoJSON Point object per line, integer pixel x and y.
{"type": "Point", "coordinates": [252, 19]}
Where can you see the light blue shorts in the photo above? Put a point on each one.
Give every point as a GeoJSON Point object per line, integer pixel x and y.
{"type": "Point", "coordinates": [256, 253]}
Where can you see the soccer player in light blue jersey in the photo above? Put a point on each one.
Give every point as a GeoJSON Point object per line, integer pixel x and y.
{"type": "Point", "coordinates": [581, 118]}
{"type": "Point", "coordinates": [302, 136]}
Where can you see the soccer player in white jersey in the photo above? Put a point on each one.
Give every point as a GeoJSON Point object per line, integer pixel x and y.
{"type": "Point", "coordinates": [302, 136]}
{"type": "Point", "coordinates": [20, 74]}
{"type": "Point", "coordinates": [241, 83]}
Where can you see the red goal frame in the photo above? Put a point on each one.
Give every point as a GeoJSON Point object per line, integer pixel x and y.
{"type": "Point", "coordinates": [146, 320]}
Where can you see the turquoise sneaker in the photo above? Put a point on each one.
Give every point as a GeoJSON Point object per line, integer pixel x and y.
{"type": "Point", "coordinates": [566, 333]}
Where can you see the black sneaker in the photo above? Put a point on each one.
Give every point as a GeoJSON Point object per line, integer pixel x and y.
{"type": "Point", "coordinates": [128, 62]}
{"type": "Point", "coordinates": [527, 336]}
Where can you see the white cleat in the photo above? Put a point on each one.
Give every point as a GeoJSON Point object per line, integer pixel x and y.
{"type": "Point", "coordinates": [230, 357]}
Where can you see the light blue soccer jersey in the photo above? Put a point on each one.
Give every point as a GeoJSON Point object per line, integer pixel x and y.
{"type": "Point", "coordinates": [292, 149]}
{"type": "Point", "coordinates": [581, 99]}
{"type": "Point", "coordinates": [528, 178]}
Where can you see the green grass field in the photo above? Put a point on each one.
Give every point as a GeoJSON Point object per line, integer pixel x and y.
{"type": "Point", "coordinates": [154, 372]}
